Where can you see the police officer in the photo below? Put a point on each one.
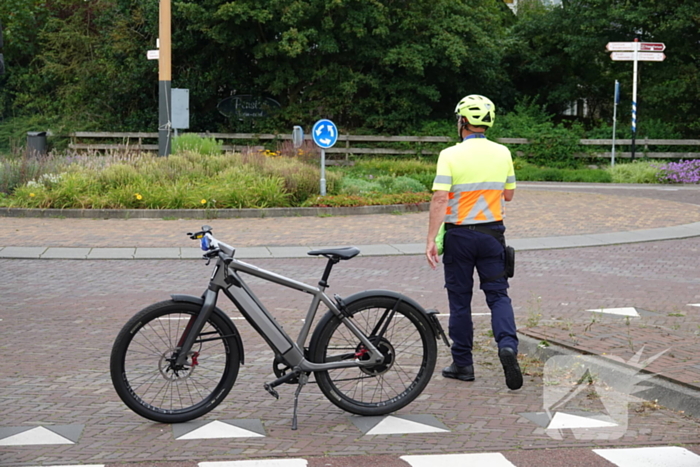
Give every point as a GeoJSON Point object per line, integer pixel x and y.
{"type": "Point", "coordinates": [473, 180]}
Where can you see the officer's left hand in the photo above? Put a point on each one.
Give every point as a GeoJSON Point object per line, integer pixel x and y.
{"type": "Point", "coordinates": [432, 254]}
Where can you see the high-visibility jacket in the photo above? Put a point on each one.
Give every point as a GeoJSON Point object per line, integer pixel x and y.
{"type": "Point", "coordinates": [475, 172]}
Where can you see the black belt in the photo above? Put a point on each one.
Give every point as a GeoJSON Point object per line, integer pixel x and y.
{"type": "Point", "coordinates": [472, 226]}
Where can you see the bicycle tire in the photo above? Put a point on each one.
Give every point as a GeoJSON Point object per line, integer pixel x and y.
{"type": "Point", "coordinates": [141, 374]}
{"type": "Point", "coordinates": [410, 354]}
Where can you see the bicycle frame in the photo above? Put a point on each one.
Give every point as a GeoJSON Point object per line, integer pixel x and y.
{"type": "Point", "coordinates": [226, 278]}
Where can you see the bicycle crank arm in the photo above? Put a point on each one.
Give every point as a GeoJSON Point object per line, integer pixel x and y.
{"type": "Point", "coordinates": [270, 387]}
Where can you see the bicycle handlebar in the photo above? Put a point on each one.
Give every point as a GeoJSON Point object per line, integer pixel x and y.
{"type": "Point", "coordinates": [210, 244]}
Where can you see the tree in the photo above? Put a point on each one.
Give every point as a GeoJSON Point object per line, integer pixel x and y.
{"type": "Point", "coordinates": [559, 55]}
{"type": "Point", "coordinates": [381, 65]}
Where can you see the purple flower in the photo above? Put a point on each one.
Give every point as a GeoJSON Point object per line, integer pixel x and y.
{"type": "Point", "coordinates": [679, 172]}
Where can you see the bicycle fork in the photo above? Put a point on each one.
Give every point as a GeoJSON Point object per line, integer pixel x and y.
{"type": "Point", "coordinates": [194, 327]}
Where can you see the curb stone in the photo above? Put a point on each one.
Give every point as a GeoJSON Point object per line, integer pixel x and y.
{"type": "Point", "coordinates": [665, 392]}
{"type": "Point", "coordinates": [211, 213]}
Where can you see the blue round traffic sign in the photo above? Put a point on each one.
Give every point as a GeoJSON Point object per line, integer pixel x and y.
{"type": "Point", "coordinates": [325, 133]}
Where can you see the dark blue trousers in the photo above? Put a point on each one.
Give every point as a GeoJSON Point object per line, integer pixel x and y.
{"type": "Point", "coordinates": [465, 250]}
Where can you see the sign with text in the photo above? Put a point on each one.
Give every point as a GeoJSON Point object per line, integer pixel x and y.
{"type": "Point", "coordinates": [248, 106]}
{"type": "Point", "coordinates": [641, 56]}
{"type": "Point", "coordinates": [632, 46]}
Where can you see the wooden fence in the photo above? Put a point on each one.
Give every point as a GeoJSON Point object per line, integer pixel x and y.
{"type": "Point", "coordinates": [349, 145]}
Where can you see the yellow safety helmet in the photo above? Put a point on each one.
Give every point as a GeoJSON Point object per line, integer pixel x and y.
{"type": "Point", "coordinates": [478, 110]}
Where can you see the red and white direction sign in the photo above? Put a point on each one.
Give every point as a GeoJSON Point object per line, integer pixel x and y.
{"type": "Point", "coordinates": [641, 56]}
{"type": "Point", "coordinates": [613, 46]}
{"type": "Point", "coordinates": [632, 46]}
{"type": "Point", "coordinates": [652, 46]}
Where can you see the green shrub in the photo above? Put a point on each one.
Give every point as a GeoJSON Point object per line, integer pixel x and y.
{"type": "Point", "coordinates": [587, 176]}
{"type": "Point", "coordinates": [357, 186]}
{"type": "Point", "coordinates": [375, 199]}
{"type": "Point", "coordinates": [634, 172]}
{"type": "Point", "coordinates": [181, 181]}
{"type": "Point", "coordinates": [526, 172]}
{"type": "Point", "coordinates": [195, 143]}
{"type": "Point", "coordinates": [384, 185]}
{"type": "Point", "coordinates": [391, 166]}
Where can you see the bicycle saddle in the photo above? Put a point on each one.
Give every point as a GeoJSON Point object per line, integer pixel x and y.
{"type": "Point", "coordinates": [346, 252]}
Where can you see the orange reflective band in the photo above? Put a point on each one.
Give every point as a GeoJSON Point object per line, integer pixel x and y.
{"type": "Point", "coordinates": [474, 207]}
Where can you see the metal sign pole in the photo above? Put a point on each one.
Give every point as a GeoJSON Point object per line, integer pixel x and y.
{"type": "Point", "coordinates": [634, 95]}
{"type": "Point", "coordinates": [325, 134]}
{"type": "Point", "coordinates": [630, 51]}
{"type": "Point", "coordinates": [617, 99]}
{"type": "Point", "coordinates": [323, 172]}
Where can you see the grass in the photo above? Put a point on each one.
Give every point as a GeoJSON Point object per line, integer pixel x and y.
{"type": "Point", "coordinates": [199, 175]}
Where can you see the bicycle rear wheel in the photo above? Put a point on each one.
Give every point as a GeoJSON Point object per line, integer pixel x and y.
{"type": "Point", "coordinates": [407, 343]}
{"type": "Point", "coordinates": [147, 382]}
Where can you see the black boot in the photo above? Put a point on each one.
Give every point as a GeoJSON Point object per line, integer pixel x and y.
{"type": "Point", "coordinates": [509, 360]}
{"type": "Point", "coordinates": [463, 373]}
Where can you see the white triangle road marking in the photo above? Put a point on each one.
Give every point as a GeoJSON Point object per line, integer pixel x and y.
{"type": "Point", "coordinates": [650, 457]}
{"type": "Point", "coordinates": [625, 311]}
{"type": "Point", "coordinates": [486, 459]}
{"type": "Point", "coordinates": [258, 463]}
{"type": "Point", "coordinates": [217, 430]}
{"type": "Point", "coordinates": [395, 425]}
{"type": "Point", "coordinates": [35, 436]}
{"type": "Point", "coordinates": [76, 465]}
{"type": "Point", "coordinates": [564, 420]}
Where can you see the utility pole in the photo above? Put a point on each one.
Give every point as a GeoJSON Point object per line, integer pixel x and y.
{"type": "Point", "coordinates": [164, 79]}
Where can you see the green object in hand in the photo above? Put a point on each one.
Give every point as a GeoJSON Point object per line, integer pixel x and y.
{"type": "Point", "coordinates": [440, 239]}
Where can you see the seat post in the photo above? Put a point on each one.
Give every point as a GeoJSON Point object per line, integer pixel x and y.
{"type": "Point", "coordinates": [323, 283]}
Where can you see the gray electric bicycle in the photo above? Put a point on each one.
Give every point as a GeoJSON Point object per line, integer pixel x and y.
{"type": "Point", "coordinates": [372, 353]}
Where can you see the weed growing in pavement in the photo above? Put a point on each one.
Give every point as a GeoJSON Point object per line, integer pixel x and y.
{"type": "Point", "coordinates": [680, 315]}
{"type": "Point", "coordinates": [647, 406]}
{"type": "Point", "coordinates": [574, 338]}
{"type": "Point", "coordinates": [531, 366]}
{"type": "Point", "coordinates": [594, 319]}
{"type": "Point", "coordinates": [534, 310]}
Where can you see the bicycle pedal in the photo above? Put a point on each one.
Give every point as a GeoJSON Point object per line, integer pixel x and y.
{"type": "Point", "coordinates": [271, 390]}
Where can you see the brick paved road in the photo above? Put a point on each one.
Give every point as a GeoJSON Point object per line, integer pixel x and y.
{"type": "Point", "coordinates": [59, 319]}
{"type": "Point", "coordinates": [536, 212]}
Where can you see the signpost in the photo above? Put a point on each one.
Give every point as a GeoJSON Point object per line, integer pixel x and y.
{"type": "Point", "coordinates": [617, 101]}
{"type": "Point", "coordinates": [325, 135]}
{"type": "Point", "coordinates": [636, 51]}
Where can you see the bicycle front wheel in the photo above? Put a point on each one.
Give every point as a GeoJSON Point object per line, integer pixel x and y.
{"type": "Point", "coordinates": [151, 386]}
{"type": "Point", "coordinates": [405, 338]}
